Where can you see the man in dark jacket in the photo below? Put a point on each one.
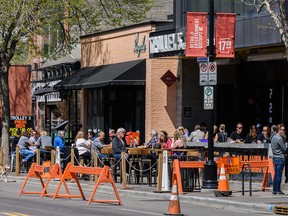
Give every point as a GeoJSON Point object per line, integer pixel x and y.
{"type": "Point", "coordinates": [118, 144]}
{"type": "Point", "coordinates": [279, 149]}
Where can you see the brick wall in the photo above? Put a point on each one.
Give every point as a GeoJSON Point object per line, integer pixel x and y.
{"type": "Point", "coordinates": [118, 46]}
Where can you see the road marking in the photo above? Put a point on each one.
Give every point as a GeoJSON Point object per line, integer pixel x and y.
{"type": "Point", "coordinates": [13, 214]}
{"type": "Point", "coordinates": [142, 212]}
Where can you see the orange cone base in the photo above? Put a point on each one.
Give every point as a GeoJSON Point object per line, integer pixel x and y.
{"type": "Point", "coordinates": [178, 214]}
{"type": "Point", "coordinates": [222, 193]}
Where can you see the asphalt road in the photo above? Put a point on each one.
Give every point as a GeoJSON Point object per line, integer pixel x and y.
{"type": "Point", "coordinates": [11, 204]}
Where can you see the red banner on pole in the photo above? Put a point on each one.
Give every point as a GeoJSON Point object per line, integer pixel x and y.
{"type": "Point", "coordinates": [225, 35]}
{"type": "Point", "coordinates": [196, 35]}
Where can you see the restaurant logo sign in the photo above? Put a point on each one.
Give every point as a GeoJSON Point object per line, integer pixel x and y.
{"type": "Point", "coordinates": [138, 46]}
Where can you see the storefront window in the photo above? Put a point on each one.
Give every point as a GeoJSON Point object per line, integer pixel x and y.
{"type": "Point", "coordinates": [95, 115]}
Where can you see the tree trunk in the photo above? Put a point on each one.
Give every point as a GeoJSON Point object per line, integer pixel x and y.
{"type": "Point", "coordinates": [4, 96]}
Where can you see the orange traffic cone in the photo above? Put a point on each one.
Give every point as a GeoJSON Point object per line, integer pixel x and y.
{"type": "Point", "coordinates": [174, 204]}
{"type": "Point", "coordinates": [223, 188]}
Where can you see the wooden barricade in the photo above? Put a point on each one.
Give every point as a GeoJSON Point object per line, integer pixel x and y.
{"type": "Point", "coordinates": [104, 176]}
{"type": "Point", "coordinates": [44, 171]}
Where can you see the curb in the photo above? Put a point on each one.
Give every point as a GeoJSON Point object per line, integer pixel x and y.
{"type": "Point", "coordinates": [165, 196]}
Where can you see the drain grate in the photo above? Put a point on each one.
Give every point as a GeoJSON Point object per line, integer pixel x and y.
{"type": "Point", "coordinates": [283, 210]}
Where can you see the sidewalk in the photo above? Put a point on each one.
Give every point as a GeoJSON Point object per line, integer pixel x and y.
{"type": "Point", "coordinates": [259, 201]}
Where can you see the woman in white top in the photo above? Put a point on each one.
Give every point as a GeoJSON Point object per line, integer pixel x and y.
{"type": "Point", "coordinates": [83, 147]}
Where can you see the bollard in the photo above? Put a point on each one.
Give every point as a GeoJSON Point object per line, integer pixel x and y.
{"type": "Point", "coordinates": [124, 181]}
{"type": "Point", "coordinates": [38, 156]}
{"type": "Point", "coordinates": [52, 157]}
{"type": "Point", "coordinates": [17, 166]}
{"type": "Point", "coordinates": [159, 178]}
{"type": "Point", "coordinates": [165, 177]}
{"type": "Point", "coordinates": [57, 160]}
{"type": "Point", "coordinates": [72, 156]}
{"type": "Point", "coordinates": [95, 158]}
{"type": "Point", "coordinates": [250, 179]}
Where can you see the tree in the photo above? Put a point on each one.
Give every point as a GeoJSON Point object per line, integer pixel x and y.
{"type": "Point", "coordinates": [60, 23]}
{"type": "Point", "coordinates": [277, 10]}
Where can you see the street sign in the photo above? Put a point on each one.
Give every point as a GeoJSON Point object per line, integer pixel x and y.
{"type": "Point", "coordinates": [202, 59]}
{"type": "Point", "coordinates": [208, 73]}
{"type": "Point", "coordinates": [212, 73]}
{"type": "Point", "coordinates": [203, 68]}
{"type": "Point", "coordinates": [208, 98]}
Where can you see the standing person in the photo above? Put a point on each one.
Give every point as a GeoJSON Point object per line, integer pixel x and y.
{"type": "Point", "coordinates": [59, 141]}
{"type": "Point", "coordinates": [273, 131]}
{"type": "Point", "coordinates": [222, 134]}
{"type": "Point", "coordinates": [237, 136]}
{"type": "Point", "coordinates": [279, 149]}
{"type": "Point", "coordinates": [119, 145]}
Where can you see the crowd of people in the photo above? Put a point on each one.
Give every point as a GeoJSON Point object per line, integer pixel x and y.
{"type": "Point", "coordinates": [274, 135]}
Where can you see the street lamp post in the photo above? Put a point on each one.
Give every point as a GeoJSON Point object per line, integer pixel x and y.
{"type": "Point", "coordinates": [210, 167]}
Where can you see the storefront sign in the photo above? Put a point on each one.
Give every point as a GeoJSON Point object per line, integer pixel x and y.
{"type": "Point", "coordinates": [231, 164]}
{"type": "Point", "coordinates": [225, 35]}
{"type": "Point", "coordinates": [21, 122]}
{"type": "Point", "coordinates": [139, 48]}
{"type": "Point", "coordinates": [162, 45]}
{"type": "Point", "coordinates": [196, 34]}
{"type": "Point", "coordinates": [168, 78]}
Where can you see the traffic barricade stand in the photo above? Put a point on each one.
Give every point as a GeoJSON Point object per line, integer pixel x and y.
{"type": "Point", "coordinates": [104, 176]}
{"type": "Point", "coordinates": [41, 172]}
{"type": "Point", "coordinates": [260, 164]}
{"type": "Point", "coordinates": [177, 165]}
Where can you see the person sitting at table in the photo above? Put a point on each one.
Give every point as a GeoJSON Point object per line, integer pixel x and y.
{"type": "Point", "coordinates": [119, 144]}
{"type": "Point", "coordinates": [222, 134]}
{"type": "Point", "coordinates": [83, 147]}
{"type": "Point", "coordinates": [153, 143]}
{"type": "Point", "coordinates": [252, 135]}
{"type": "Point", "coordinates": [165, 141]}
{"type": "Point", "coordinates": [44, 140]}
{"type": "Point", "coordinates": [184, 137]}
{"type": "Point", "coordinates": [98, 144]}
{"type": "Point", "coordinates": [215, 134]}
{"type": "Point", "coordinates": [237, 136]}
{"type": "Point", "coordinates": [197, 134]}
{"type": "Point", "coordinates": [111, 135]}
{"type": "Point", "coordinates": [177, 144]}
{"type": "Point", "coordinates": [264, 137]}
{"type": "Point", "coordinates": [59, 141]}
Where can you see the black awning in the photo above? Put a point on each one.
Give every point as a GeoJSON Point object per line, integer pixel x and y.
{"type": "Point", "coordinates": [126, 73]}
{"type": "Point", "coordinates": [43, 91]}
